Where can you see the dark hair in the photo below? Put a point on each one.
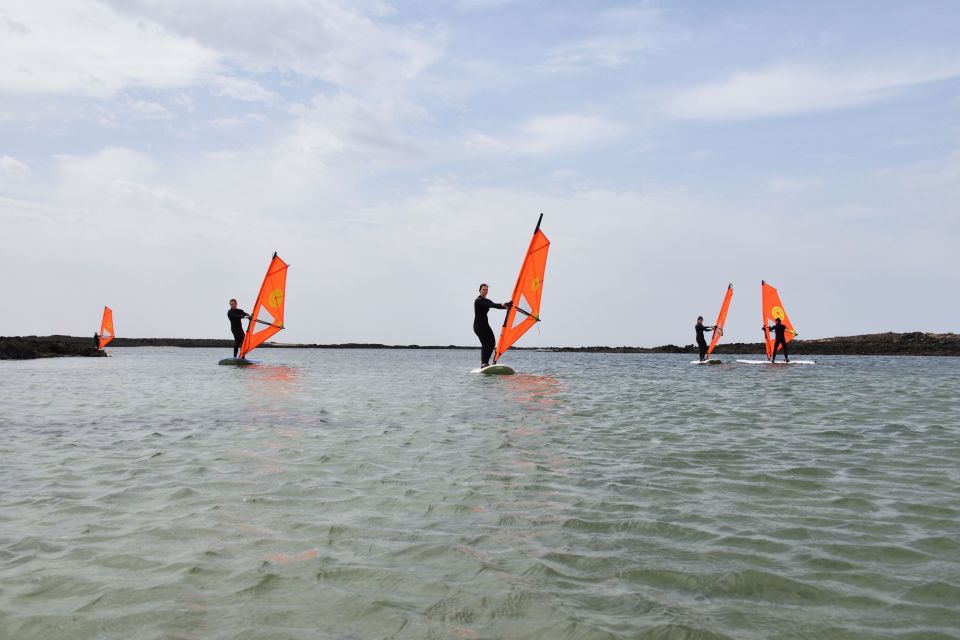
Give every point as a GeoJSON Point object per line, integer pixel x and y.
{"type": "Point", "coordinates": [233, 299]}
{"type": "Point", "coordinates": [699, 318]}
{"type": "Point", "coordinates": [482, 285]}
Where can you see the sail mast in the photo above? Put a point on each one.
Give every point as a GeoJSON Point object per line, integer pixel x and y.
{"type": "Point", "coordinates": [106, 328]}
{"type": "Point", "coordinates": [721, 319]}
{"type": "Point", "coordinates": [529, 289]}
{"type": "Point", "coordinates": [270, 303]}
{"type": "Point", "coordinates": [772, 309]}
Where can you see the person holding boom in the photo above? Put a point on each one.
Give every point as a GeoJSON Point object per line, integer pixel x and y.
{"type": "Point", "coordinates": [701, 341]}
{"type": "Point", "coordinates": [236, 327]}
{"type": "Point", "coordinates": [481, 326]}
{"type": "Point", "coordinates": [780, 331]}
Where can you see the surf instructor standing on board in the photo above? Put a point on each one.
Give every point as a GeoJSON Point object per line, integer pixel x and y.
{"type": "Point", "coordinates": [701, 341]}
{"type": "Point", "coordinates": [481, 326]}
{"type": "Point", "coordinates": [780, 341]}
{"type": "Point", "coordinates": [236, 327]}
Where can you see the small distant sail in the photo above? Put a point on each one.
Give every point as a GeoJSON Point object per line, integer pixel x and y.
{"type": "Point", "coordinates": [772, 309]}
{"type": "Point", "coordinates": [267, 317]}
{"type": "Point", "coordinates": [721, 319]}
{"type": "Point", "coordinates": [106, 327]}
{"type": "Point", "coordinates": [525, 311]}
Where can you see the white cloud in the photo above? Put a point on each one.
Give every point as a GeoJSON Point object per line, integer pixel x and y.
{"type": "Point", "coordinates": [233, 123]}
{"type": "Point", "coordinates": [799, 88]}
{"type": "Point", "coordinates": [791, 184]}
{"type": "Point", "coordinates": [548, 134]}
{"type": "Point", "coordinates": [13, 170]}
{"type": "Point", "coordinates": [941, 175]}
{"type": "Point", "coordinates": [326, 39]}
{"type": "Point", "coordinates": [82, 47]}
{"type": "Point", "coordinates": [241, 89]}
{"type": "Point", "coordinates": [616, 38]}
{"type": "Point", "coordinates": [308, 166]}
{"type": "Point", "coordinates": [147, 109]}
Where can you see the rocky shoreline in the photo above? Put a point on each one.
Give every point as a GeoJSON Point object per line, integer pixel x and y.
{"type": "Point", "coordinates": [875, 344]}
{"type": "Point", "coordinates": [31, 347]}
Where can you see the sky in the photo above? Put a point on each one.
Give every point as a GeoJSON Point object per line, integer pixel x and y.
{"type": "Point", "coordinates": [155, 153]}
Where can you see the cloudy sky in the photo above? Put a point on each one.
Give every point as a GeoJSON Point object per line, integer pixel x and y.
{"type": "Point", "coordinates": [155, 153]}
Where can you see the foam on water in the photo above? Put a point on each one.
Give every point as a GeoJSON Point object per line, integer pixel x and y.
{"type": "Point", "coordinates": [318, 495]}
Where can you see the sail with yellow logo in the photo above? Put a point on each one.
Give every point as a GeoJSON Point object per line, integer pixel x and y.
{"type": "Point", "coordinates": [267, 317]}
{"type": "Point", "coordinates": [525, 309]}
{"type": "Point", "coordinates": [773, 309]}
{"type": "Point", "coordinates": [721, 319]}
{"type": "Point", "coordinates": [266, 320]}
{"type": "Point", "coordinates": [106, 328]}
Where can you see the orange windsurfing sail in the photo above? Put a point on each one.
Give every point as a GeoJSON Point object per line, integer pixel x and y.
{"type": "Point", "coordinates": [773, 309]}
{"type": "Point", "coordinates": [722, 318]}
{"type": "Point", "coordinates": [525, 310]}
{"type": "Point", "coordinates": [106, 327]}
{"type": "Point", "coordinates": [267, 317]}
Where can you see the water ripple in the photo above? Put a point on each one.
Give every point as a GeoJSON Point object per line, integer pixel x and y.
{"type": "Point", "coordinates": [156, 495]}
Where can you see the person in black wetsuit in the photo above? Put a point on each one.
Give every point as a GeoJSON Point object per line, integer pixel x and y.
{"type": "Point", "coordinates": [701, 341]}
{"type": "Point", "coordinates": [96, 339]}
{"type": "Point", "coordinates": [236, 315]}
{"type": "Point", "coordinates": [780, 330]}
{"type": "Point", "coordinates": [482, 328]}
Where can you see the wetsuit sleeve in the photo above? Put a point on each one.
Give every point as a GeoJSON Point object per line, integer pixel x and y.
{"type": "Point", "coordinates": [489, 304]}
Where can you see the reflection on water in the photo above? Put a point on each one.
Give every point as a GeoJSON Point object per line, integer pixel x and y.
{"type": "Point", "coordinates": [272, 379]}
{"type": "Point", "coordinates": [535, 392]}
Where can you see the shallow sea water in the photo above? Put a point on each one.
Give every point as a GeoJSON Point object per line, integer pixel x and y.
{"type": "Point", "coordinates": [340, 494]}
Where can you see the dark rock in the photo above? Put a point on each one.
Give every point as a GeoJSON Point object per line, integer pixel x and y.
{"type": "Point", "coordinates": [30, 347]}
{"type": "Point", "coordinates": [882, 344]}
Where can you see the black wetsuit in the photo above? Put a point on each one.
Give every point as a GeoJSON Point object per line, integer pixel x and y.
{"type": "Point", "coordinates": [96, 340]}
{"type": "Point", "coordinates": [701, 341]}
{"type": "Point", "coordinates": [236, 328]}
{"type": "Point", "coordinates": [482, 328]}
{"type": "Point", "coordinates": [780, 341]}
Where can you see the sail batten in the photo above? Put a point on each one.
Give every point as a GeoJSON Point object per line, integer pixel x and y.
{"type": "Point", "coordinates": [773, 309]}
{"type": "Point", "coordinates": [721, 319]}
{"type": "Point", "coordinates": [526, 294]}
{"type": "Point", "coordinates": [266, 320]}
{"type": "Point", "coordinates": [106, 328]}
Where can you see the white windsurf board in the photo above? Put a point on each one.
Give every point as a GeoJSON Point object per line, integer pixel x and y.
{"type": "Point", "coordinates": [778, 362]}
{"type": "Point", "coordinates": [495, 369]}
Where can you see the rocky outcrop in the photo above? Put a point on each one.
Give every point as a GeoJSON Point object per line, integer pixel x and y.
{"type": "Point", "coordinates": [883, 344]}
{"type": "Point", "coordinates": [30, 347]}
{"type": "Point", "coordinates": [874, 344]}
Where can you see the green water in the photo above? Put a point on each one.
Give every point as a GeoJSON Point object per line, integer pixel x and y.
{"type": "Point", "coordinates": [392, 494]}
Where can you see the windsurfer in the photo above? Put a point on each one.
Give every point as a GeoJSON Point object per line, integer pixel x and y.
{"type": "Point", "coordinates": [701, 341]}
{"type": "Point", "coordinates": [96, 339]}
{"type": "Point", "coordinates": [481, 326]}
{"type": "Point", "coordinates": [236, 315]}
{"type": "Point", "coordinates": [780, 330]}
